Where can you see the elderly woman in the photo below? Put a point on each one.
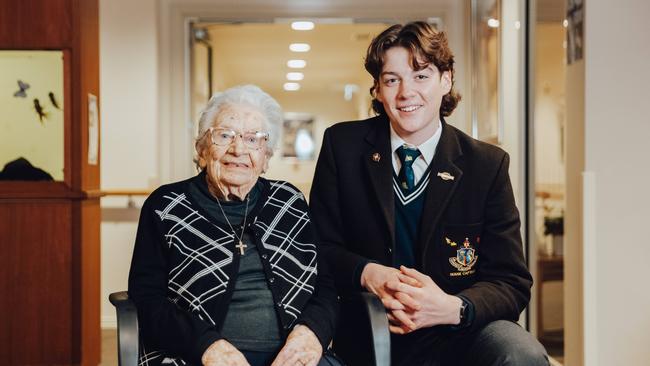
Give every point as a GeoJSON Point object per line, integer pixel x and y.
{"type": "Point", "coordinates": [225, 268]}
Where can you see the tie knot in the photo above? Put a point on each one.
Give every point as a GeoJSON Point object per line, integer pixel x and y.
{"type": "Point", "coordinates": [407, 155]}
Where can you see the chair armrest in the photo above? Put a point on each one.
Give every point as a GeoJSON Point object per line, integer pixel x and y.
{"type": "Point", "coordinates": [379, 328]}
{"type": "Point", "coordinates": [127, 328]}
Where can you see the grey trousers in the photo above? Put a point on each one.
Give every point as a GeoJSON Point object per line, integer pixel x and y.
{"type": "Point", "coordinates": [499, 343]}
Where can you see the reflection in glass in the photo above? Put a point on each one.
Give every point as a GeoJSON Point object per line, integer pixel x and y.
{"type": "Point", "coordinates": [549, 109]}
{"type": "Point", "coordinates": [486, 46]}
{"type": "Point", "coordinates": [31, 122]}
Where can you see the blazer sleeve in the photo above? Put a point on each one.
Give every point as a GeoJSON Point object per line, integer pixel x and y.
{"type": "Point", "coordinates": [326, 215]}
{"type": "Point", "coordinates": [163, 325]}
{"type": "Point", "coordinates": [503, 287]}
{"type": "Point", "coordinates": [321, 312]}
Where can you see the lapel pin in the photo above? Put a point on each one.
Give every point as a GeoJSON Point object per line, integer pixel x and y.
{"type": "Point", "coordinates": [376, 157]}
{"type": "Point", "coordinates": [445, 176]}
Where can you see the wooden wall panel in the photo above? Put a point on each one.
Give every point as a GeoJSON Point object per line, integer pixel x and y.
{"type": "Point", "coordinates": [45, 24]}
{"type": "Point", "coordinates": [86, 289]}
{"type": "Point", "coordinates": [49, 231]}
{"type": "Point", "coordinates": [35, 273]}
{"type": "Point", "coordinates": [85, 60]}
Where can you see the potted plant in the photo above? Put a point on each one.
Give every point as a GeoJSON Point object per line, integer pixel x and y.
{"type": "Point", "coordinates": [554, 228]}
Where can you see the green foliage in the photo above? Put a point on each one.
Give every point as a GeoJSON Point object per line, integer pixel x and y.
{"type": "Point", "coordinates": [554, 225]}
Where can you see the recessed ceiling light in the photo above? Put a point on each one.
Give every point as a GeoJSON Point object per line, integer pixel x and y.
{"type": "Point", "coordinates": [302, 25]}
{"type": "Point", "coordinates": [493, 23]}
{"type": "Point", "coordinates": [291, 86]}
{"type": "Point", "coordinates": [295, 76]}
{"type": "Point", "coordinates": [299, 47]}
{"type": "Point", "coordinates": [296, 64]}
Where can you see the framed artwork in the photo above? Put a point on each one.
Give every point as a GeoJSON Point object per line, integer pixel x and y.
{"type": "Point", "coordinates": [298, 137]}
{"type": "Point", "coordinates": [32, 118]}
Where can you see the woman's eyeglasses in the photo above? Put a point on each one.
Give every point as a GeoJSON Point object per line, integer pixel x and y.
{"type": "Point", "coordinates": [225, 137]}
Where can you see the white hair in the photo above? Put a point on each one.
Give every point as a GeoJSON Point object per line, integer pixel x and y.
{"type": "Point", "coordinates": [249, 95]}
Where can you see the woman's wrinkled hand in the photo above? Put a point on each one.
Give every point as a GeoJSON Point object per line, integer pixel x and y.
{"type": "Point", "coordinates": [222, 353]}
{"type": "Point", "coordinates": [302, 348]}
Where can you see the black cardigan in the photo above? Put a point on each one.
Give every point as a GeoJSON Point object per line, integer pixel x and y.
{"type": "Point", "coordinates": [185, 264]}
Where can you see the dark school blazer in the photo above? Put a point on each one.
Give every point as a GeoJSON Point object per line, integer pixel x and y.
{"type": "Point", "coordinates": [469, 239]}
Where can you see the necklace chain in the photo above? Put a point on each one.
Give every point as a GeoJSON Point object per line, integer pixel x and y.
{"type": "Point", "coordinates": [241, 245]}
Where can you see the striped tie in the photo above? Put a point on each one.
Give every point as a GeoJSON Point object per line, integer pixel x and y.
{"type": "Point", "coordinates": [407, 156]}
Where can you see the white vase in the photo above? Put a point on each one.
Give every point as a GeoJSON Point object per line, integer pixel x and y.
{"type": "Point", "coordinates": [558, 245]}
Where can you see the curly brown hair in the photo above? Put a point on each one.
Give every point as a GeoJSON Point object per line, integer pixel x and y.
{"type": "Point", "coordinates": [423, 42]}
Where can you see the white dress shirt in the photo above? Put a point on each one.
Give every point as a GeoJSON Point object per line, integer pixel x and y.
{"type": "Point", "coordinates": [427, 151]}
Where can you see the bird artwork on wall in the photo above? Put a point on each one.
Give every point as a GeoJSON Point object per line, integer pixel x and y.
{"type": "Point", "coordinates": [40, 111]}
{"type": "Point", "coordinates": [42, 114]}
{"type": "Point", "coordinates": [23, 86]}
{"type": "Point", "coordinates": [55, 103]}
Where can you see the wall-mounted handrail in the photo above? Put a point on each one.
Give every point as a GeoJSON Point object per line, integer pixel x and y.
{"type": "Point", "coordinates": [126, 192]}
{"type": "Point", "coordinates": [131, 212]}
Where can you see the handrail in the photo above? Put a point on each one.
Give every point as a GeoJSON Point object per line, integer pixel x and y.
{"type": "Point", "coordinates": [127, 192]}
{"type": "Point", "coordinates": [130, 204]}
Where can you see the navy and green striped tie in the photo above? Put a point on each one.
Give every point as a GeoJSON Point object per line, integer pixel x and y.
{"type": "Point", "coordinates": [407, 156]}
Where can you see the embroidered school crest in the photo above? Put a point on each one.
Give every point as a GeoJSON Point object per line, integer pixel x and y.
{"type": "Point", "coordinates": [465, 257]}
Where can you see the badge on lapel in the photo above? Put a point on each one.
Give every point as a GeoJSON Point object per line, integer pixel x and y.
{"type": "Point", "coordinates": [465, 258]}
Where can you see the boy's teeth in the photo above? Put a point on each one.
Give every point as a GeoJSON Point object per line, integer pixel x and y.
{"type": "Point", "coordinates": [408, 109]}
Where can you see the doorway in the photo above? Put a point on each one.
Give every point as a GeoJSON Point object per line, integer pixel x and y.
{"type": "Point", "coordinates": [548, 161]}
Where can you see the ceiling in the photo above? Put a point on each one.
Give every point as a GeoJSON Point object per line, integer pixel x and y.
{"type": "Point", "coordinates": [258, 53]}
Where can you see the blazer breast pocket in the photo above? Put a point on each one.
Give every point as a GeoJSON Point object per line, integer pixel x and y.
{"type": "Point", "coordinates": [461, 248]}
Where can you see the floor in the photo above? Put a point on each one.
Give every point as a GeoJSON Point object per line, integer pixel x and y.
{"type": "Point", "coordinates": [109, 347]}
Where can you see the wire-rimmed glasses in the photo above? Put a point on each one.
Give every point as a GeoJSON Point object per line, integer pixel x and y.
{"type": "Point", "coordinates": [225, 137]}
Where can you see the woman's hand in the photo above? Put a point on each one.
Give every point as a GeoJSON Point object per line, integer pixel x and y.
{"type": "Point", "coordinates": [221, 353]}
{"type": "Point", "coordinates": [302, 348]}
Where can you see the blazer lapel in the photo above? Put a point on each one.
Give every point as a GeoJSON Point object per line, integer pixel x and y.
{"type": "Point", "coordinates": [378, 162]}
{"type": "Point", "coordinates": [445, 176]}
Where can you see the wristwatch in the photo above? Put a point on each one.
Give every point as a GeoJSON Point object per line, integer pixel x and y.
{"type": "Point", "coordinates": [463, 315]}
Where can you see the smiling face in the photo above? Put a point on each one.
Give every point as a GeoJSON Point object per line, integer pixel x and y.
{"type": "Point", "coordinates": [234, 168]}
{"type": "Point", "coordinates": [411, 98]}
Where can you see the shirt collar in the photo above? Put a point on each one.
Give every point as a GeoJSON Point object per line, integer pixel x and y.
{"type": "Point", "coordinates": [427, 148]}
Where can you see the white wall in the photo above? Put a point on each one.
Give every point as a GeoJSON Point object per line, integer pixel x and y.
{"type": "Point", "coordinates": [128, 107]}
{"type": "Point", "coordinates": [617, 129]}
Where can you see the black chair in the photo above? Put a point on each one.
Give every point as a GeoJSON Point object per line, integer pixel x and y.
{"type": "Point", "coordinates": [128, 339]}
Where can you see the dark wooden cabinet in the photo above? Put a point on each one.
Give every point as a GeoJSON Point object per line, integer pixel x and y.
{"type": "Point", "coordinates": [49, 231]}
{"type": "Point", "coordinates": [549, 268]}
